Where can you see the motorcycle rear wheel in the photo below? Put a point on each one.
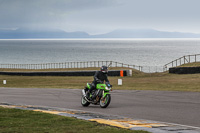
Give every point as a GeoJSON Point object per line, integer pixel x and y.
{"type": "Point", "coordinates": [105, 101]}
{"type": "Point", "coordinates": [84, 102]}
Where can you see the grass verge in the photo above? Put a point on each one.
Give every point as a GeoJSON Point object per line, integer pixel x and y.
{"type": "Point", "coordinates": [157, 81]}
{"type": "Point", "coordinates": [139, 81]}
{"type": "Point", "coordinates": [194, 64]}
{"type": "Point", "coordinates": [15, 120]}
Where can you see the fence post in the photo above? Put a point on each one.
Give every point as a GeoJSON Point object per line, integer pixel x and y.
{"type": "Point", "coordinates": [195, 58]}
{"type": "Point", "coordinates": [184, 59]}
{"type": "Point", "coordinates": [189, 58]}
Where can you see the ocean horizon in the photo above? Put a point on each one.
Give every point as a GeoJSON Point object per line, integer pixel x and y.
{"type": "Point", "coordinates": [140, 51]}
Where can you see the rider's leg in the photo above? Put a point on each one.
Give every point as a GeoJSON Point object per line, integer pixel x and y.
{"type": "Point", "coordinates": [91, 89]}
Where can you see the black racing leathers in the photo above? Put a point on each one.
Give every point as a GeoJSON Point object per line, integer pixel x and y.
{"type": "Point", "coordinates": [99, 77]}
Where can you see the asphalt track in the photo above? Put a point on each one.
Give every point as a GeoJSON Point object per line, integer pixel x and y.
{"type": "Point", "coordinates": [165, 106]}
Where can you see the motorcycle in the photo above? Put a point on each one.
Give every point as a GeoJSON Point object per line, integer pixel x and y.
{"type": "Point", "coordinates": [102, 96]}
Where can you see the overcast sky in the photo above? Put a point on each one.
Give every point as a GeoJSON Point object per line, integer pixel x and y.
{"type": "Point", "coordinates": [101, 16]}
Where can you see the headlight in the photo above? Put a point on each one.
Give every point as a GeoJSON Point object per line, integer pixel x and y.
{"type": "Point", "coordinates": [107, 88]}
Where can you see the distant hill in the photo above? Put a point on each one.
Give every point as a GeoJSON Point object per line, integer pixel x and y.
{"type": "Point", "coordinates": [25, 33]}
{"type": "Point", "coordinates": [146, 33]}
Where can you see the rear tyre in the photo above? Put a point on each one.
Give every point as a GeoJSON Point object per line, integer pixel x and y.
{"type": "Point", "coordinates": [84, 102]}
{"type": "Point", "coordinates": [105, 101]}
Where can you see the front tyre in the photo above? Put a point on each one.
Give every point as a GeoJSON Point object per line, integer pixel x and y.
{"type": "Point", "coordinates": [84, 102]}
{"type": "Point", "coordinates": [104, 102]}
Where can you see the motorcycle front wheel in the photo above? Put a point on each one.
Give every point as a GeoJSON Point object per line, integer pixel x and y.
{"type": "Point", "coordinates": [104, 102]}
{"type": "Point", "coordinates": [84, 102]}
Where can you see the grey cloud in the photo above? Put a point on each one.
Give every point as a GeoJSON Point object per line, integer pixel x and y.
{"type": "Point", "coordinates": [101, 14]}
{"type": "Point", "coordinates": [21, 12]}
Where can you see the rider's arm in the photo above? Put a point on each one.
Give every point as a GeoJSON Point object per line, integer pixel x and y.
{"type": "Point", "coordinates": [95, 76]}
{"type": "Point", "coordinates": [106, 79]}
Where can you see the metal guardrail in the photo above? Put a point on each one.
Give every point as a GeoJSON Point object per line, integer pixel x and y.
{"type": "Point", "coordinates": [147, 69]}
{"type": "Point", "coordinates": [182, 60]}
{"type": "Point", "coordinates": [69, 65]}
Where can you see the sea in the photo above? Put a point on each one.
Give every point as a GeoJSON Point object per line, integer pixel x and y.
{"type": "Point", "coordinates": [141, 52]}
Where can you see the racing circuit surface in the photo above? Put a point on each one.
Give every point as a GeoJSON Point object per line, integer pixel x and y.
{"type": "Point", "coordinates": [164, 106]}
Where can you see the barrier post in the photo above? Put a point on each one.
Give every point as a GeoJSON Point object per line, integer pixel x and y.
{"type": "Point", "coordinates": [121, 73]}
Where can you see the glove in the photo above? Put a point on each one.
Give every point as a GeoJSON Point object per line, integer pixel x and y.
{"type": "Point", "coordinates": [99, 81]}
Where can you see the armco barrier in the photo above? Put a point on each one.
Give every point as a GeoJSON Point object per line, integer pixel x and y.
{"type": "Point", "coordinates": [184, 70]}
{"type": "Point", "coordinates": [66, 73]}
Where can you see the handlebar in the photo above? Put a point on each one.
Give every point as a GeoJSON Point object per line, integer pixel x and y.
{"type": "Point", "coordinates": [107, 83]}
{"type": "Point", "coordinates": [99, 81]}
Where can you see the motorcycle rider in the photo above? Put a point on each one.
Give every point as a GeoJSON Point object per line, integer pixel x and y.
{"type": "Point", "coordinates": [99, 77]}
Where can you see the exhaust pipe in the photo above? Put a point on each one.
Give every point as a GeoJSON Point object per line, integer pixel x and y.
{"type": "Point", "coordinates": [83, 91]}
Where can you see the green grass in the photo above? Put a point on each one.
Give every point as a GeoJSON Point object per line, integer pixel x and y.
{"type": "Point", "coordinates": [25, 121]}
{"type": "Point", "coordinates": [157, 81]}
{"type": "Point", "coordinates": [139, 81]}
{"type": "Point", "coordinates": [194, 64]}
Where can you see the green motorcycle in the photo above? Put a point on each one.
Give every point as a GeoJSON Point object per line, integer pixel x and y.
{"type": "Point", "coordinates": [101, 92]}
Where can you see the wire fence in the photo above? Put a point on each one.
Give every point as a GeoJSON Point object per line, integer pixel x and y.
{"type": "Point", "coordinates": [88, 64]}
{"type": "Point", "coordinates": [182, 60]}
{"type": "Point", "coordinates": [152, 69]}
{"type": "Point", "coordinates": [69, 65]}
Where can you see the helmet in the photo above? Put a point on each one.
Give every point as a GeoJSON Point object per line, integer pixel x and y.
{"type": "Point", "coordinates": [104, 69]}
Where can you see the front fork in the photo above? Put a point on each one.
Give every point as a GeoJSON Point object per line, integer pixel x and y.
{"type": "Point", "coordinates": [105, 93]}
